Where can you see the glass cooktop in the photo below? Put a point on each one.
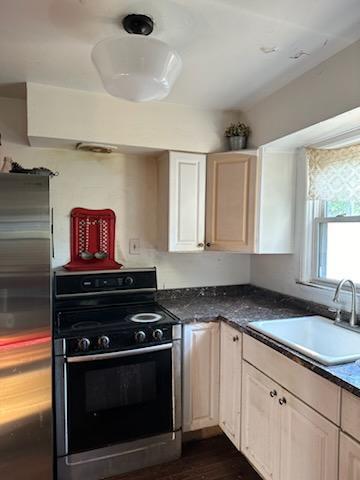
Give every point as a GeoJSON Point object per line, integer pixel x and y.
{"type": "Point", "coordinates": [111, 318]}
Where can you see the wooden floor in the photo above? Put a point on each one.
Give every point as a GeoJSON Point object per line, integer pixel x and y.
{"type": "Point", "coordinates": [211, 459]}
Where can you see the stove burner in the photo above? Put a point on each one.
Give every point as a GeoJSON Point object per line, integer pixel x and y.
{"type": "Point", "coordinates": [145, 317]}
{"type": "Point", "coordinates": [88, 324]}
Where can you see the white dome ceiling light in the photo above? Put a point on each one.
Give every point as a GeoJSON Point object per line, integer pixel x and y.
{"type": "Point", "coordinates": [137, 67]}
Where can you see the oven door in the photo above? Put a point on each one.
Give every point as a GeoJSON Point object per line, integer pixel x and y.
{"type": "Point", "coordinates": [117, 397]}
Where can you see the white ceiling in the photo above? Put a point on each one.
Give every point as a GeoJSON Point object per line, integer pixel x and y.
{"type": "Point", "coordinates": [49, 41]}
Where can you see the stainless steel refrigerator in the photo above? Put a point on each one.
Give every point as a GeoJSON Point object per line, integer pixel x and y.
{"type": "Point", "coordinates": [25, 332]}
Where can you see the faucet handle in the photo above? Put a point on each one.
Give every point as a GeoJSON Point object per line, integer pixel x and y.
{"type": "Point", "coordinates": [337, 312]}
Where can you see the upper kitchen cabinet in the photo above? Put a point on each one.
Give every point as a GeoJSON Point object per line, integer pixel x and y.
{"type": "Point", "coordinates": [275, 201]}
{"type": "Point", "coordinates": [182, 180]}
{"type": "Point", "coordinates": [250, 201]}
{"type": "Point", "coordinates": [249, 204]}
{"type": "Point", "coordinates": [231, 202]}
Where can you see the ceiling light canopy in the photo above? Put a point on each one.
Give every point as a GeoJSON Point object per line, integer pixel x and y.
{"type": "Point", "coordinates": [137, 67]}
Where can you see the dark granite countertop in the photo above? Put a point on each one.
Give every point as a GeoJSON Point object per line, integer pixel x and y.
{"type": "Point", "coordinates": [240, 305]}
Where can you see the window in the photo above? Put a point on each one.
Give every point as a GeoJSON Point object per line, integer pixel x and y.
{"type": "Point", "coordinates": [337, 241]}
{"type": "Point", "coordinates": [334, 215]}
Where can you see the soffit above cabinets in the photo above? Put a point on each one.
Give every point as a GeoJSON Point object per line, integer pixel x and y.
{"type": "Point", "coordinates": [62, 117]}
{"type": "Point", "coordinates": [235, 52]}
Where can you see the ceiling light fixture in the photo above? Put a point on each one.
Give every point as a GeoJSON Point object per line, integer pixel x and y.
{"type": "Point", "coordinates": [96, 147]}
{"type": "Point", "coordinates": [137, 67]}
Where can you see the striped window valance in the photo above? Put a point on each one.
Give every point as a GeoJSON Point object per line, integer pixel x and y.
{"type": "Point", "coordinates": [334, 174]}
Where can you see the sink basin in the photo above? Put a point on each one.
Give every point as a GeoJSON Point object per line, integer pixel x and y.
{"type": "Point", "coordinates": [314, 336]}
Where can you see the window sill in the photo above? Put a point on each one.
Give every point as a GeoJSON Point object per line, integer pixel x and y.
{"type": "Point", "coordinates": [327, 286]}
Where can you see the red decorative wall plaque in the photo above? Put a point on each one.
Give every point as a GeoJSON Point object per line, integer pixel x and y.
{"type": "Point", "coordinates": [92, 236]}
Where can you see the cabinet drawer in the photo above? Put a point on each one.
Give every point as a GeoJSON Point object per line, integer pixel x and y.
{"type": "Point", "coordinates": [314, 390]}
{"type": "Point", "coordinates": [350, 414]}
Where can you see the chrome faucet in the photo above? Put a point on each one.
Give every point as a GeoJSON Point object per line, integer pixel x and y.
{"type": "Point", "coordinates": [353, 318]}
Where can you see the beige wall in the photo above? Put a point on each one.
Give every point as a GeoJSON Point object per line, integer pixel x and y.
{"type": "Point", "coordinates": [63, 114]}
{"type": "Point", "coordinates": [125, 183]}
{"type": "Point", "coordinates": [282, 273]}
{"type": "Point", "coordinates": [327, 90]}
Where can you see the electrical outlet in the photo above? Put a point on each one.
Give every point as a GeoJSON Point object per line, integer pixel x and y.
{"type": "Point", "coordinates": [134, 246]}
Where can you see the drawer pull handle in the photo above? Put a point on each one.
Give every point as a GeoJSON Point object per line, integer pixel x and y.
{"type": "Point", "coordinates": [282, 401]}
{"type": "Point", "coordinates": [208, 244]}
{"type": "Point", "coordinates": [200, 245]}
{"type": "Point", "coordinates": [273, 393]}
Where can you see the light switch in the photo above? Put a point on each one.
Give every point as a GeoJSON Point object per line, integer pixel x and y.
{"type": "Point", "coordinates": [134, 246]}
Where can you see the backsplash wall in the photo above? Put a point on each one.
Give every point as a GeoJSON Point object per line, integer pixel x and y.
{"type": "Point", "coordinates": [128, 185]}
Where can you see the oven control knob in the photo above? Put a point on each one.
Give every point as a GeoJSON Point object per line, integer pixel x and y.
{"type": "Point", "coordinates": [84, 344]}
{"type": "Point", "coordinates": [140, 336]}
{"type": "Point", "coordinates": [104, 341]}
{"type": "Point", "coordinates": [158, 334]}
{"type": "Point", "coordinates": [129, 281]}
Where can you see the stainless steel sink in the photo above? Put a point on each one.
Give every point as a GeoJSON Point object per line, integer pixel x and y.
{"type": "Point", "coordinates": [314, 336]}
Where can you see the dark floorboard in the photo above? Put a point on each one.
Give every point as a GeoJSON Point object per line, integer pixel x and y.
{"type": "Point", "coordinates": [211, 459]}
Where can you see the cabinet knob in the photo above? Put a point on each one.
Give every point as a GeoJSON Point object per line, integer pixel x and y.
{"type": "Point", "coordinates": [208, 244]}
{"type": "Point", "coordinates": [235, 339]}
{"type": "Point", "coordinates": [282, 401]}
{"type": "Point", "coordinates": [273, 393]}
{"type": "Point", "coordinates": [200, 245]}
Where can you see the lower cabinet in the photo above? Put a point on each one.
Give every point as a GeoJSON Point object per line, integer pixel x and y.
{"type": "Point", "coordinates": [260, 434]}
{"type": "Point", "coordinates": [282, 437]}
{"type": "Point", "coordinates": [201, 376]}
{"type": "Point", "coordinates": [349, 458]}
{"type": "Point", "coordinates": [309, 443]}
{"type": "Point", "coordinates": [230, 382]}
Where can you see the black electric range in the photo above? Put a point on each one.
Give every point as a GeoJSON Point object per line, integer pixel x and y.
{"type": "Point", "coordinates": [117, 369]}
{"type": "Point", "coordinates": [106, 311]}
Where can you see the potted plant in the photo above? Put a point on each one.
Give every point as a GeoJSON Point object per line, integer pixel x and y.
{"type": "Point", "coordinates": [237, 134]}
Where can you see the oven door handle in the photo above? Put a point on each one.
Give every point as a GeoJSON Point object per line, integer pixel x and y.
{"type": "Point", "coordinates": [124, 353]}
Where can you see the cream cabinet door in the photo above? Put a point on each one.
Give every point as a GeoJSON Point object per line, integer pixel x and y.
{"type": "Point", "coordinates": [187, 180]}
{"type": "Point", "coordinates": [349, 459]}
{"type": "Point", "coordinates": [260, 429]}
{"type": "Point", "coordinates": [201, 376]}
{"type": "Point", "coordinates": [230, 203]}
{"type": "Point", "coordinates": [230, 382]}
{"type": "Point", "coordinates": [309, 443]}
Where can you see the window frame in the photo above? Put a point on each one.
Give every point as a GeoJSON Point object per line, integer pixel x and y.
{"type": "Point", "coordinates": [307, 211]}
